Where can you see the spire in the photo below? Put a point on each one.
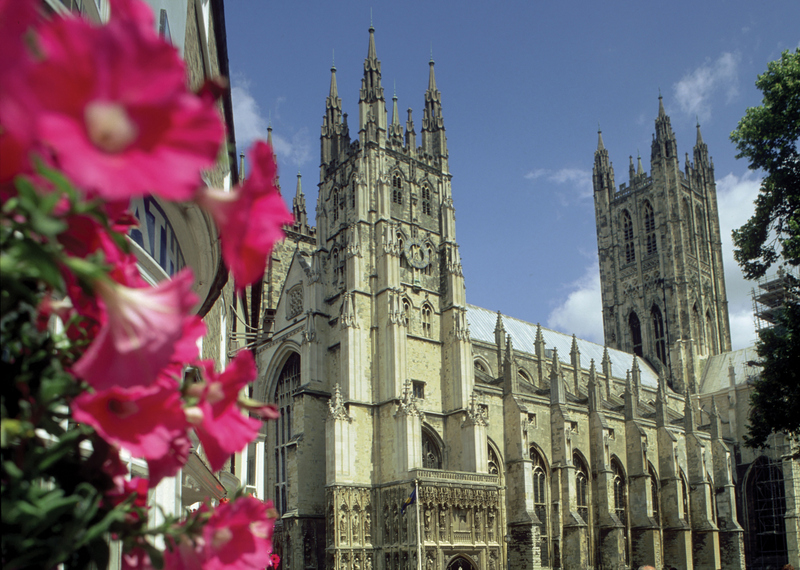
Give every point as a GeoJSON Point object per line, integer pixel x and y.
{"type": "Point", "coordinates": [371, 104]}
{"type": "Point", "coordinates": [595, 391]}
{"type": "Point", "coordinates": [602, 172]}
{"type": "Point", "coordinates": [299, 208]}
{"type": "Point", "coordinates": [395, 129]}
{"type": "Point", "coordinates": [663, 145]}
{"type": "Point", "coordinates": [699, 134]}
{"type": "Point", "coordinates": [639, 167]}
{"type": "Point", "coordinates": [557, 395]}
{"type": "Point", "coordinates": [631, 400]}
{"type": "Point", "coordinates": [334, 136]}
{"type": "Point", "coordinates": [434, 141]}
{"type": "Point", "coordinates": [334, 93]}
{"type": "Point", "coordinates": [701, 159]}
{"type": "Point", "coordinates": [631, 170]}
{"type": "Point", "coordinates": [575, 360]}
{"type": "Point", "coordinates": [411, 135]}
{"type": "Point", "coordinates": [606, 365]}
{"type": "Point", "coordinates": [371, 89]}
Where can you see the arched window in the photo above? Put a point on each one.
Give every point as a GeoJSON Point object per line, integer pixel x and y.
{"type": "Point", "coordinates": [540, 485]}
{"type": "Point", "coordinates": [627, 233]}
{"type": "Point", "coordinates": [287, 385]}
{"type": "Point", "coordinates": [684, 496]}
{"type": "Point", "coordinates": [397, 189]}
{"type": "Point", "coordinates": [406, 311]}
{"type": "Point", "coordinates": [621, 500]}
{"type": "Point", "coordinates": [480, 367]}
{"type": "Point", "coordinates": [335, 204]}
{"type": "Point", "coordinates": [428, 268]}
{"type": "Point", "coordinates": [711, 333]}
{"type": "Point", "coordinates": [431, 455]}
{"type": "Point", "coordinates": [764, 509]}
{"type": "Point", "coordinates": [426, 321]}
{"type": "Point", "coordinates": [403, 259]}
{"type": "Point", "coordinates": [701, 234]}
{"type": "Point", "coordinates": [689, 227]}
{"type": "Point", "coordinates": [654, 495]}
{"type": "Point", "coordinates": [650, 228]}
{"type": "Point", "coordinates": [581, 486]}
{"type": "Point", "coordinates": [636, 333]}
{"type": "Point", "coordinates": [523, 376]}
{"type": "Point", "coordinates": [658, 334]}
{"type": "Point", "coordinates": [426, 200]}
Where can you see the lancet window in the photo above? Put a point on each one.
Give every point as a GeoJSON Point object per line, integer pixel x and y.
{"type": "Point", "coordinates": [654, 495]}
{"type": "Point", "coordinates": [627, 233]}
{"type": "Point", "coordinates": [426, 200]}
{"type": "Point", "coordinates": [650, 228]}
{"type": "Point", "coordinates": [689, 224]}
{"type": "Point", "coordinates": [636, 333]}
{"type": "Point", "coordinates": [684, 496]}
{"type": "Point", "coordinates": [620, 500]}
{"type": "Point", "coordinates": [426, 321]}
{"type": "Point", "coordinates": [699, 332]}
{"type": "Point", "coordinates": [701, 234]}
{"type": "Point", "coordinates": [711, 333]}
{"type": "Point", "coordinates": [658, 334]}
{"type": "Point", "coordinates": [287, 385]}
{"type": "Point", "coordinates": [540, 502]}
{"type": "Point", "coordinates": [581, 486]}
{"type": "Point", "coordinates": [335, 204]}
{"type": "Point", "coordinates": [764, 510]}
{"type": "Point", "coordinates": [397, 189]}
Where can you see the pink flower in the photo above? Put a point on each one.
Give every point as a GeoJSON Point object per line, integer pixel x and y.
{"type": "Point", "coordinates": [237, 536]}
{"type": "Point", "coordinates": [111, 104]}
{"type": "Point", "coordinates": [223, 428]}
{"type": "Point", "coordinates": [144, 421]}
{"type": "Point", "coordinates": [250, 218]}
{"type": "Point", "coordinates": [170, 463]}
{"type": "Point", "coordinates": [136, 559]}
{"type": "Point", "coordinates": [143, 331]}
{"type": "Point", "coordinates": [275, 560]}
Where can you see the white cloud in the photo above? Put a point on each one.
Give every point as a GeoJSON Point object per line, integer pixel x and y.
{"type": "Point", "coordinates": [581, 312]}
{"type": "Point", "coordinates": [578, 179]}
{"type": "Point", "coordinates": [250, 125]}
{"type": "Point", "coordinates": [695, 89]}
{"type": "Point", "coordinates": [735, 196]}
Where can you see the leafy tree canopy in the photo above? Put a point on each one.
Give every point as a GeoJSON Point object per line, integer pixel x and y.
{"type": "Point", "coordinates": [768, 137]}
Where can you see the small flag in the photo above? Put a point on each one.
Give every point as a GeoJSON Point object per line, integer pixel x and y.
{"type": "Point", "coordinates": [412, 498]}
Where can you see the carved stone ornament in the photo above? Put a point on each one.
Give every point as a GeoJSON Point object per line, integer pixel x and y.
{"type": "Point", "coordinates": [336, 409]}
{"type": "Point", "coordinates": [416, 253]}
{"type": "Point", "coordinates": [408, 402]}
{"type": "Point", "coordinates": [475, 413]}
{"type": "Point", "coordinates": [294, 306]}
{"type": "Point", "coordinates": [310, 332]}
{"type": "Point", "coordinates": [348, 312]}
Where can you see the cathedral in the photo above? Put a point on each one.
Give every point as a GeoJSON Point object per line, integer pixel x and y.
{"type": "Point", "coordinates": [418, 431]}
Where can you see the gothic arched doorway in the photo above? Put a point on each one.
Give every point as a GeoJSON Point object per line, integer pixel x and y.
{"type": "Point", "coordinates": [460, 563]}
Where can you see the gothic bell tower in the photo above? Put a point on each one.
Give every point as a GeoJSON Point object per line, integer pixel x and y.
{"type": "Point", "coordinates": [660, 253]}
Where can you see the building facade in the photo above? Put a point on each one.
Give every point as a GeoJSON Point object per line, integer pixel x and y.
{"type": "Point", "coordinates": [418, 431]}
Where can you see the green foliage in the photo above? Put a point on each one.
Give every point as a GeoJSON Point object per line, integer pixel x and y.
{"type": "Point", "coordinates": [768, 135]}
{"type": "Point", "coordinates": [53, 486]}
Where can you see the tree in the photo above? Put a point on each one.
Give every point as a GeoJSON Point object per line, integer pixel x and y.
{"type": "Point", "coordinates": [768, 135]}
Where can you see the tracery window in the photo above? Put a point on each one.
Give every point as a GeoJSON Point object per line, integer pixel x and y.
{"type": "Point", "coordinates": [426, 200]}
{"type": "Point", "coordinates": [426, 321]}
{"type": "Point", "coordinates": [581, 486]}
{"type": "Point", "coordinates": [636, 333]}
{"type": "Point", "coordinates": [627, 233]}
{"type": "Point", "coordinates": [658, 334]}
{"type": "Point", "coordinates": [287, 385]}
{"type": "Point", "coordinates": [650, 228]}
{"type": "Point", "coordinates": [620, 500]}
{"type": "Point", "coordinates": [397, 189]}
{"type": "Point", "coordinates": [540, 502]}
{"type": "Point", "coordinates": [431, 455]}
{"type": "Point", "coordinates": [764, 510]}
{"type": "Point", "coordinates": [353, 196]}
{"type": "Point", "coordinates": [494, 463]}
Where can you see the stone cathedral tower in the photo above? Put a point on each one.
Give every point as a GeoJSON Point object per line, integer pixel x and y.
{"type": "Point", "coordinates": [659, 245]}
{"type": "Point", "coordinates": [370, 360]}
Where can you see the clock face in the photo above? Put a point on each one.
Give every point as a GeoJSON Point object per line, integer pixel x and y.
{"type": "Point", "coordinates": [416, 253]}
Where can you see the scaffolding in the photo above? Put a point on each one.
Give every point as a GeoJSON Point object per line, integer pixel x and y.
{"type": "Point", "coordinates": [770, 297]}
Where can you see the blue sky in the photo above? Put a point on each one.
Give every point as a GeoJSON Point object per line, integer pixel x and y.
{"type": "Point", "coordinates": [524, 86]}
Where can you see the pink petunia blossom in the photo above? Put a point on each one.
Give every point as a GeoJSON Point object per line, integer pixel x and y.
{"type": "Point", "coordinates": [250, 218]}
{"type": "Point", "coordinates": [143, 330]}
{"type": "Point", "coordinates": [237, 536]}
{"type": "Point", "coordinates": [143, 421]}
{"type": "Point", "coordinates": [220, 425]}
{"type": "Point", "coordinates": [110, 103]}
